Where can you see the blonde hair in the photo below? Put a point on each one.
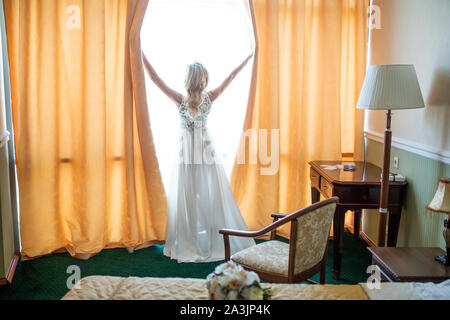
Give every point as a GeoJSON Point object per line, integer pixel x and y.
{"type": "Point", "coordinates": [195, 82]}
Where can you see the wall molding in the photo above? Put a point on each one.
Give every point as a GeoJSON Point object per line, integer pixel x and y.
{"type": "Point", "coordinates": [413, 147]}
{"type": "Point", "coordinates": [12, 268]}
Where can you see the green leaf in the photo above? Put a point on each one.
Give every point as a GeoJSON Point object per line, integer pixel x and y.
{"type": "Point", "coordinates": [267, 294]}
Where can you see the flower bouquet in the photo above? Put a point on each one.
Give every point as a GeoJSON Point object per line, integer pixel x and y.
{"type": "Point", "coordinates": [230, 281]}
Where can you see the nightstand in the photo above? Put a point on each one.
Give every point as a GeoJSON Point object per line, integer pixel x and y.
{"type": "Point", "coordinates": [406, 264]}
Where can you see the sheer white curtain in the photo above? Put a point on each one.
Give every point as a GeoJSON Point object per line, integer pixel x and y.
{"type": "Point", "coordinates": [215, 33]}
{"type": "Point", "coordinates": [4, 134]}
{"type": "Point", "coordinates": [9, 242]}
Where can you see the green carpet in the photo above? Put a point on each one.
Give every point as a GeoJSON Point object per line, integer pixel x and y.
{"type": "Point", "coordinates": [45, 278]}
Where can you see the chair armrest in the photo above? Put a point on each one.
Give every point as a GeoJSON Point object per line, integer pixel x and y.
{"type": "Point", "coordinates": [270, 227]}
{"type": "Point", "coordinates": [239, 233]}
{"type": "Point", "coordinates": [278, 215]}
{"type": "Point", "coordinates": [229, 232]}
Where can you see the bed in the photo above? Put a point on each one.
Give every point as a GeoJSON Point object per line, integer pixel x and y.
{"type": "Point", "coordinates": [152, 288]}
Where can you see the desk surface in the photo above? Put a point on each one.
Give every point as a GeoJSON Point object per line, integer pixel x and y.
{"type": "Point", "coordinates": [371, 174]}
{"type": "Point", "coordinates": [411, 264]}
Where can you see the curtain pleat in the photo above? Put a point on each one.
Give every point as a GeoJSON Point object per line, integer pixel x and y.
{"type": "Point", "coordinates": [87, 168]}
{"type": "Point", "coordinates": [310, 65]}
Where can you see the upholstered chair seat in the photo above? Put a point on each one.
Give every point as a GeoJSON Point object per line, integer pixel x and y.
{"type": "Point", "coordinates": [303, 257]}
{"type": "Point", "coordinates": [270, 256]}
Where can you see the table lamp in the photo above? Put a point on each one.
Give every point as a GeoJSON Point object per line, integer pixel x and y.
{"type": "Point", "coordinates": [389, 87]}
{"type": "Point", "coordinates": [441, 204]}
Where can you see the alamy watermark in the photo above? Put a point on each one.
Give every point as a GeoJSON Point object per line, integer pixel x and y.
{"type": "Point", "coordinates": [74, 19]}
{"type": "Point", "coordinates": [374, 280]}
{"type": "Point", "coordinates": [374, 13]}
{"type": "Point", "coordinates": [73, 281]}
{"type": "Point", "coordinates": [263, 148]}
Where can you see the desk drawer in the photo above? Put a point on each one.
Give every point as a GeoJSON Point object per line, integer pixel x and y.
{"type": "Point", "coordinates": [315, 178]}
{"type": "Point", "coordinates": [326, 188]}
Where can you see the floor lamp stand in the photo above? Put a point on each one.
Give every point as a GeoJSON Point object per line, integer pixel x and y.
{"type": "Point", "coordinates": [384, 193]}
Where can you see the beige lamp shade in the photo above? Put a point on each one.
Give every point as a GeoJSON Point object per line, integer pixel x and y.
{"type": "Point", "coordinates": [390, 87]}
{"type": "Point", "coordinates": [441, 200]}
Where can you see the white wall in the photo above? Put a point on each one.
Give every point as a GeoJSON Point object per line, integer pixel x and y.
{"type": "Point", "coordinates": [416, 32]}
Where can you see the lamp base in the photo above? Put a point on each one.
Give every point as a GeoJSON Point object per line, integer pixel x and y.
{"type": "Point", "coordinates": [445, 259]}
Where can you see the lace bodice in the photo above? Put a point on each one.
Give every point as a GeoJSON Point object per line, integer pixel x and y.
{"type": "Point", "coordinates": [197, 121]}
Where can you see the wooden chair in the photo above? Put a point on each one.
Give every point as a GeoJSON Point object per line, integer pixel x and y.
{"type": "Point", "coordinates": [303, 257]}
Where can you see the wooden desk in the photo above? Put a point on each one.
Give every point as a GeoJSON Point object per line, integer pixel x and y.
{"type": "Point", "coordinates": [357, 190]}
{"type": "Point", "coordinates": [410, 264]}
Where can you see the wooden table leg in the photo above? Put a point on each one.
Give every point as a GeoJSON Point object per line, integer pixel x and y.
{"type": "Point", "coordinates": [393, 225]}
{"type": "Point", "coordinates": [315, 195]}
{"type": "Point", "coordinates": [356, 223]}
{"type": "Point", "coordinates": [338, 237]}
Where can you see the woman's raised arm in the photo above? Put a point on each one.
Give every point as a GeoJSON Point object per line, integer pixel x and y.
{"type": "Point", "coordinates": [172, 94]}
{"type": "Point", "coordinates": [213, 94]}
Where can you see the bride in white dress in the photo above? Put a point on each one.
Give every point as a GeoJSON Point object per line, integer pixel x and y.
{"type": "Point", "coordinates": [200, 200]}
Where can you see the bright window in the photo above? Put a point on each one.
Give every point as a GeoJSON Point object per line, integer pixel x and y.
{"type": "Point", "coordinates": [217, 33]}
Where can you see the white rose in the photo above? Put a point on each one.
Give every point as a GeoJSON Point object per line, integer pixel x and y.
{"type": "Point", "coordinates": [224, 280]}
{"type": "Point", "coordinates": [224, 267]}
{"type": "Point", "coordinates": [219, 269]}
{"type": "Point", "coordinates": [235, 274]}
{"type": "Point", "coordinates": [250, 278]}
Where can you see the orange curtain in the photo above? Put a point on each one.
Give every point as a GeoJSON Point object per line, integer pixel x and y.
{"type": "Point", "coordinates": [309, 66]}
{"type": "Point", "coordinates": [87, 169]}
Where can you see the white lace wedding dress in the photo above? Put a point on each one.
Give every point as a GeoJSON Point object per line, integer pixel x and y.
{"type": "Point", "coordinates": [200, 200]}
